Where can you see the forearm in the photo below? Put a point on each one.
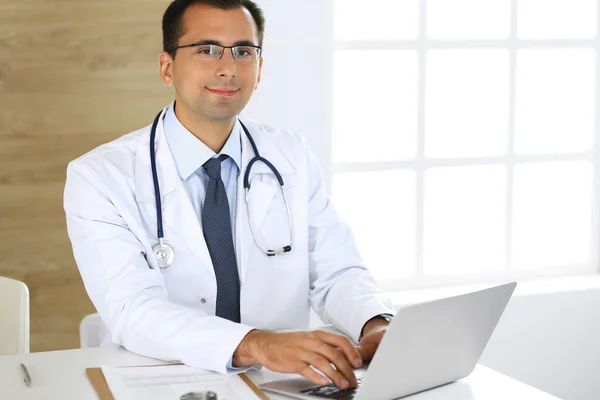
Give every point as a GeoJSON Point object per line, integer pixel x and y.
{"type": "Point", "coordinates": [161, 329]}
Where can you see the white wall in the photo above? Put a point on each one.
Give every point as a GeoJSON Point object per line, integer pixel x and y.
{"type": "Point", "coordinates": [295, 91]}
{"type": "Point", "coordinates": [550, 341]}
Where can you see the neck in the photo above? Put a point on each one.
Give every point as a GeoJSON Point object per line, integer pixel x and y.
{"type": "Point", "coordinates": [213, 133]}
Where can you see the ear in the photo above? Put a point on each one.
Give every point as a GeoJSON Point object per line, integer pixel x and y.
{"type": "Point", "coordinates": [260, 65]}
{"type": "Point", "coordinates": [165, 65]}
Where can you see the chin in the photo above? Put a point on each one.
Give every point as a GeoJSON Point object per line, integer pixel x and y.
{"type": "Point", "coordinates": [221, 116]}
{"type": "Point", "coordinates": [221, 113]}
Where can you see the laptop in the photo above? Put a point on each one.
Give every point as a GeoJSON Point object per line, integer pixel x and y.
{"type": "Point", "coordinates": [426, 345]}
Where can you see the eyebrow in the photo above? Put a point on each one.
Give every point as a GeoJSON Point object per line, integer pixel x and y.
{"type": "Point", "coordinates": [238, 43]}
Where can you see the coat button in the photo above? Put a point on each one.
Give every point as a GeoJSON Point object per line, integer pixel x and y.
{"type": "Point", "coordinates": [203, 300]}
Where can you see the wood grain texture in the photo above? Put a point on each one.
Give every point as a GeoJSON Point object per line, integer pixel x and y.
{"type": "Point", "coordinates": [73, 74]}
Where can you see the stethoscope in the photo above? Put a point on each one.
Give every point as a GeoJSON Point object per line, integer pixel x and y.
{"type": "Point", "coordinates": [164, 253]}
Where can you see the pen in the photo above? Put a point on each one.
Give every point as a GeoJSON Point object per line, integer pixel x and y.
{"type": "Point", "coordinates": [26, 378]}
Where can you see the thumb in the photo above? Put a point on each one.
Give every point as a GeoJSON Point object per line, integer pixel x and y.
{"type": "Point", "coordinates": [361, 351]}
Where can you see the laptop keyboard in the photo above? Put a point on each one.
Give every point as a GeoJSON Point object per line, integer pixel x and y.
{"type": "Point", "coordinates": [333, 392]}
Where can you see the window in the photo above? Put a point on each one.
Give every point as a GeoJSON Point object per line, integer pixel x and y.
{"type": "Point", "coordinates": [464, 137]}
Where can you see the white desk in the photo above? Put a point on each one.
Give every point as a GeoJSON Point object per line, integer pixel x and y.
{"type": "Point", "coordinates": [61, 375]}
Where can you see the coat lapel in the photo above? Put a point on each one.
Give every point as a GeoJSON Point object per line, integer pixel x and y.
{"type": "Point", "coordinates": [178, 212]}
{"type": "Point", "coordinates": [263, 188]}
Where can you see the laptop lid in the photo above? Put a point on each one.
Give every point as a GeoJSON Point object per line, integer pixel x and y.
{"type": "Point", "coordinates": [427, 345]}
{"type": "Point", "coordinates": [433, 343]}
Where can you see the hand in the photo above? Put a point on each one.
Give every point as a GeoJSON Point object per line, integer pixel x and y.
{"type": "Point", "coordinates": [373, 332]}
{"type": "Point", "coordinates": [296, 352]}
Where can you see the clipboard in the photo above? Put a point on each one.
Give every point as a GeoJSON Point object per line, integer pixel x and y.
{"type": "Point", "coordinates": [96, 378]}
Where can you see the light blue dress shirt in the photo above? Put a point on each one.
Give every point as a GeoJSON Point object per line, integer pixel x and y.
{"type": "Point", "coordinates": [190, 153]}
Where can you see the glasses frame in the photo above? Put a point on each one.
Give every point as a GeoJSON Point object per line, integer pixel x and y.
{"type": "Point", "coordinates": [259, 48]}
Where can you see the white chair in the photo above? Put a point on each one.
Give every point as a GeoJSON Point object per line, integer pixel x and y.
{"type": "Point", "coordinates": [91, 331]}
{"type": "Point", "coordinates": [14, 316]}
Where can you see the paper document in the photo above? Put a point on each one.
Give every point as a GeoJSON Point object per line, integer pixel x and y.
{"type": "Point", "coordinates": [170, 382]}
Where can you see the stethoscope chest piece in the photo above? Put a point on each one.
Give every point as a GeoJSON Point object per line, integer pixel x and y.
{"type": "Point", "coordinates": [165, 255]}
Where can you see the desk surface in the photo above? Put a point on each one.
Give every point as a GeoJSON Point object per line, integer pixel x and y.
{"type": "Point", "coordinates": [61, 375]}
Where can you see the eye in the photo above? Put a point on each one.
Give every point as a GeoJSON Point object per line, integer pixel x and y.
{"type": "Point", "coordinates": [245, 53]}
{"type": "Point", "coordinates": [204, 51]}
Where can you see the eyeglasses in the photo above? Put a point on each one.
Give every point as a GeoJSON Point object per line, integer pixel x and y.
{"type": "Point", "coordinates": [205, 51]}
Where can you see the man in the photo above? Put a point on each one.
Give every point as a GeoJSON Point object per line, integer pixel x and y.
{"type": "Point", "coordinates": [220, 299]}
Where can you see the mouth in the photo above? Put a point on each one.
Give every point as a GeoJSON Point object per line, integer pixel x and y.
{"type": "Point", "coordinates": [223, 91]}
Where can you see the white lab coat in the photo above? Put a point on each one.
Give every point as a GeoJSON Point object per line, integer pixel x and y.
{"type": "Point", "coordinates": [170, 313]}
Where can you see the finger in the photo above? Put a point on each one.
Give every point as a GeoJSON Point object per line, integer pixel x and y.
{"type": "Point", "coordinates": [306, 371]}
{"type": "Point", "coordinates": [322, 364]}
{"type": "Point", "coordinates": [338, 358]}
{"type": "Point", "coordinates": [344, 344]}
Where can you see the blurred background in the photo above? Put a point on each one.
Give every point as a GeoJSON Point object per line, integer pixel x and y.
{"type": "Point", "coordinates": [472, 125]}
{"type": "Point", "coordinates": [73, 75]}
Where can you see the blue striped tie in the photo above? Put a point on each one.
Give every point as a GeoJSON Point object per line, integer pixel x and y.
{"type": "Point", "coordinates": [216, 222]}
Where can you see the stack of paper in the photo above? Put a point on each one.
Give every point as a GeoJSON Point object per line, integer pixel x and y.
{"type": "Point", "coordinates": [170, 382]}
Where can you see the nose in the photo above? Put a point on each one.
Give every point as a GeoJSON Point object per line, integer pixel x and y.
{"type": "Point", "coordinates": [227, 68]}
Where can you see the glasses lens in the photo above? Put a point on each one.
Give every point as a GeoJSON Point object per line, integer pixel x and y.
{"type": "Point", "coordinates": [207, 51]}
{"type": "Point", "coordinates": [246, 53]}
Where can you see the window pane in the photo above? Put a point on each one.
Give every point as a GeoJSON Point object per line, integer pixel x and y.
{"type": "Point", "coordinates": [464, 219]}
{"type": "Point", "coordinates": [556, 19]}
{"type": "Point", "coordinates": [552, 214]}
{"type": "Point", "coordinates": [380, 208]}
{"type": "Point", "coordinates": [554, 101]}
{"type": "Point", "coordinates": [376, 19]}
{"type": "Point", "coordinates": [374, 116]}
{"type": "Point", "coordinates": [466, 103]}
{"type": "Point", "coordinates": [468, 19]}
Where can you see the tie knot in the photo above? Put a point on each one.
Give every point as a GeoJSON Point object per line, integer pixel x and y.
{"type": "Point", "coordinates": [213, 167]}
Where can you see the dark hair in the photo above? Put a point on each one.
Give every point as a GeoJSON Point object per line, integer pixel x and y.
{"type": "Point", "coordinates": [172, 22]}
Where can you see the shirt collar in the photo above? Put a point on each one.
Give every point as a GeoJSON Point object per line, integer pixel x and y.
{"type": "Point", "coordinates": [189, 152]}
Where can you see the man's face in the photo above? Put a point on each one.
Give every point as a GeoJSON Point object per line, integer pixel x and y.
{"type": "Point", "coordinates": [215, 89]}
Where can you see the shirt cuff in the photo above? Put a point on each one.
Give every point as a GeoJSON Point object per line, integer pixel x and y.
{"type": "Point", "coordinates": [238, 370]}
{"type": "Point", "coordinates": [234, 370]}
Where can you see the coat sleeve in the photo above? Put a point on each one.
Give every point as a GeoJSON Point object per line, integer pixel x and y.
{"type": "Point", "coordinates": [342, 290]}
{"type": "Point", "coordinates": [131, 297]}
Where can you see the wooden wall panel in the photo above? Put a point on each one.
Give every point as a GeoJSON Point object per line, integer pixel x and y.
{"type": "Point", "coordinates": [73, 74]}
